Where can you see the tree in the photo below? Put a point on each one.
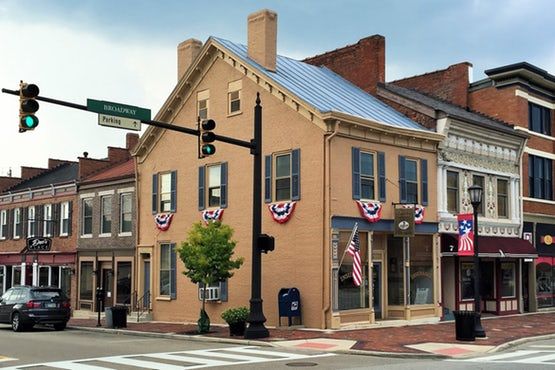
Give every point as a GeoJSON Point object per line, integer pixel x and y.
{"type": "Point", "coordinates": [208, 257]}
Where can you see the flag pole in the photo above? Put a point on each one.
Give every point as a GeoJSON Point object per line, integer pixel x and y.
{"type": "Point", "coordinates": [347, 246]}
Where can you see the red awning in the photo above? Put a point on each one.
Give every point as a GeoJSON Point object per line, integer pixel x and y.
{"type": "Point", "coordinates": [494, 246]}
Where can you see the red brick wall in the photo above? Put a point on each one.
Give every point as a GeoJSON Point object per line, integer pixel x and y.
{"type": "Point", "coordinates": [449, 84]}
{"type": "Point", "coordinates": [28, 172]}
{"type": "Point", "coordinates": [502, 104]}
{"type": "Point", "coordinates": [362, 63]}
{"type": "Point", "coordinates": [7, 182]}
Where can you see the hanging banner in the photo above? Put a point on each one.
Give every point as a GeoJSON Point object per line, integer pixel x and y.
{"type": "Point", "coordinates": [404, 222]}
{"type": "Point", "coordinates": [371, 211]}
{"type": "Point", "coordinates": [212, 215]}
{"type": "Point", "coordinates": [163, 221]}
{"type": "Point", "coordinates": [466, 234]}
{"type": "Point", "coordinates": [282, 212]}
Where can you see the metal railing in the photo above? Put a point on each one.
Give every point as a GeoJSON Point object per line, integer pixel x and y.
{"type": "Point", "coordinates": [141, 304]}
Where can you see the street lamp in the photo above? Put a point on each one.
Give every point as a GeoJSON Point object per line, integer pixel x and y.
{"type": "Point", "coordinates": [476, 192]}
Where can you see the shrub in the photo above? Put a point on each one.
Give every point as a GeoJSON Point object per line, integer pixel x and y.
{"type": "Point", "coordinates": [233, 315]}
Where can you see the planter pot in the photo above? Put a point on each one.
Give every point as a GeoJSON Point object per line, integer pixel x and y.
{"type": "Point", "coordinates": [237, 328]}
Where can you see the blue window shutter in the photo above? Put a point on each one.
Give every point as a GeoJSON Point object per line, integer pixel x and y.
{"type": "Point", "coordinates": [223, 185]}
{"type": "Point", "coordinates": [381, 176]}
{"type": "Point", "coordinates": [424, 181]}
{"type": "Point", "coordinates": [296, 174]}
{"type": "Point", "coordinates": [402, 182]}
{"type": "Point", "coordinates": [173, 272]}
{"type": "Point", "coordinates": [223, 290]}
{"type": "Point", "coordinates": [155, 193]}
{"type": "Point", "coordinates": [355, 156]}
{"type": "Point", "coordinates": [173, 196]}
{"type": "Point", "coordinates": [201, 182]}
{"type": "Point", "coordinates": [268, 179]}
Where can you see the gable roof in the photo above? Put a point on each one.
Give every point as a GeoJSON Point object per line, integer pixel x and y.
{"type": "Point", "coordinates": [323, 89]}
{"type": "Point", "coordinates": [63, 173]}
{"type": "Point", "coordinates": [119, 171]}
{"type": "Point", "coordinates": [453, 110]}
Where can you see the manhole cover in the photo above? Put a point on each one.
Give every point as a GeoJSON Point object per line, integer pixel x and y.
{"type": "Point", "coordinates": [301, 364]}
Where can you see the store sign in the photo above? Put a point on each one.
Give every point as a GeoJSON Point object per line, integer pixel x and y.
{"type": "Point", "coordinates": [404, 222]}
{"type": "Point", "coordinates": [39, 244]}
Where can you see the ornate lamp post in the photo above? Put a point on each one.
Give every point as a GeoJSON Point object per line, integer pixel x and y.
{"type": "Point", "coordinates": [476, 192]}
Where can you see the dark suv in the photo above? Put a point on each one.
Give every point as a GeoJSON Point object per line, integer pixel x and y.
{"type": "Point", "coordinates": [24, 306]}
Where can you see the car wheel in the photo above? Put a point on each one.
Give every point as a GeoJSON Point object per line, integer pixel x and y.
{"type": "Point", "coordinates": [16, 322]}
{"type": "Point", "coordinates": [59, 327]}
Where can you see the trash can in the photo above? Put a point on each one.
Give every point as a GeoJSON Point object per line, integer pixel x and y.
{"type": "Point", "coordinates": [464, 325]}
{"type": "Point", "coordinates": [289, 301]}
{"type": "Point", "coordinates": [116, 317]}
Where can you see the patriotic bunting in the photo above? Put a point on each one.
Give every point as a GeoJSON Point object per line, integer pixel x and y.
{"type": "Point", "coordinates": [418, 212]}
{"type": "Point", "coordinates": [163, 221]}
{"type": "Point", "coordinates": [372, 211]}
{"type": "Point", "coordinates": [212, 215]}
{"type": "Point", "coordinates": [466, 234]}
{"type": "Point", "coordinates": [281, 212]}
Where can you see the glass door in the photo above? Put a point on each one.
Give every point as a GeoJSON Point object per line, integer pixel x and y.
{"type": "Point", "coordinates": [377, 289]}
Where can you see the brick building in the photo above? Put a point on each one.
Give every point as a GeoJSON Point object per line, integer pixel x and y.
{"type": "Point", "coordinates": [322, 154]}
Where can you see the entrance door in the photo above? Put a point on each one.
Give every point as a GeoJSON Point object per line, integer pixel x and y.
{"type": "Point", "coordinates": [525, 287]}
{"type": "Point", "coordinates": [377, 289]}
{"type": "Point", "coordinates": [108, 286]}
{"type": "Point", "coordinates": [146, 284]}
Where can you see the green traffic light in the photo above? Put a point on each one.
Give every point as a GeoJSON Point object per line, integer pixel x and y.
{"type": "Point", "coordinates": [208, 149]}
{"type": "Point", "coordinates": [30, 121]}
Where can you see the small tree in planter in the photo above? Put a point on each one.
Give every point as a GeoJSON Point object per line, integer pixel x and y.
{"type": "Point", "coordinates": [236, 318]}
{"type": "Point", "coordinates": [207, 254]}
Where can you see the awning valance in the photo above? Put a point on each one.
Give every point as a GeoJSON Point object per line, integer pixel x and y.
{"type": "Point", "coordinates": [492, 246]}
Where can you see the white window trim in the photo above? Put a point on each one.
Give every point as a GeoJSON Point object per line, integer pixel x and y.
{"type": "Point", "coordinates": [16, 237]}
{"type": "Point", "coordinates": [86, 195]}
{"type": "Point", "coordinates": [3, 221]}
{"type": "Point", "coordinates": [29, 219]}
{"type": "Point", "coordinates": [61, 233]}
{"type": "Point", "coordinates": [83, 235]}
{"type": "Point", "coordinates": [46, 220]}
{"type": "Point", "coordinates": [533, 99]}
{"type": "Point", "coordinates": [103, 235]}
{"type": "Point", "coordinates": [126, 190]}
{"type": "Point", "coordinates": [126, 233]}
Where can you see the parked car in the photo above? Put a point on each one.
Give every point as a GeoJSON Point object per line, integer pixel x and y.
{"type": "Point", "coordinates": [24, 306]}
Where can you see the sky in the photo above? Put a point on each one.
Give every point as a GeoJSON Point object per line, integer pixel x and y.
{"type": "Point", "coordinates": [126, 51]}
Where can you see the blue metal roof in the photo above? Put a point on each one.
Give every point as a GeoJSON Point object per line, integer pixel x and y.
{"type": "Point", "coordinates": [325, 90]}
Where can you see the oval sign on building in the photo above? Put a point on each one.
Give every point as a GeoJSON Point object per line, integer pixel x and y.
{"type": "Point", "coordinates": [38, 244]}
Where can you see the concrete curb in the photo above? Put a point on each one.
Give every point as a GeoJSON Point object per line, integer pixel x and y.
{"type": "Point", "coordinates": [519, 341]}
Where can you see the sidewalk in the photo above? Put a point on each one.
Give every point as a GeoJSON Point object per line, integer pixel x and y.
{"type": "Point", "coordinates": [436, 339]}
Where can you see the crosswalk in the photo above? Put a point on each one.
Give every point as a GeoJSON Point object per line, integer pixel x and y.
{"type": "Point", "coordinates": [179, 360]}
{"type": "Point", "coordinates": [542, 357]}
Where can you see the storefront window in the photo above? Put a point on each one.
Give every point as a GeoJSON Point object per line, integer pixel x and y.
{"type": "Point", "coordinates": [65, 281]}
{"type": "Point", "coordinates": [421, 270]}
{"type": "Point", "coordinates": [395, 287]}
{"type": "Point", "coordinates": [124, 283]}
{"type": "Point", "coordinates": [467, 280]}
{"type": "Point", "coordinates": [350, 296]}
{"type": "Point", "coordinates": [2, 279]}
{"type": "Point", "coordinates": [487, 279]}
{"type": "Point", "coordinates": [86, 281]}
{"type": "Point", "coordinates": [544, 281]}
{"type": "Point", "coordinates": [508, 284]}
{"type": "Point", "coordinates": [44, 273]}
{"type": "Point", "coordinates": [16, 275]}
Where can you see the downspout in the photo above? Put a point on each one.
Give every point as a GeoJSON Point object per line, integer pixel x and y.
{"type": "Point", "coordinates": [326, 276]}
{"type": "Point", "coordinates": [136, 258]}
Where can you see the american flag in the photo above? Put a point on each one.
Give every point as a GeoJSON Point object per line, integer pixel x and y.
{"type": "Point", "coordinates": [354, 250]}
{"type": "Point", "coordinates": [466, 234]}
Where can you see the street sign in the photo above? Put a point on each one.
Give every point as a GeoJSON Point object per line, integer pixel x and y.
{"type": "Point", "coordinates": [117, 109]}
{"type": "Point", "coordinates": [119, 122]}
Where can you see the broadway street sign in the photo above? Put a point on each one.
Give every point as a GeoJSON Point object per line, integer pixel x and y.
{"type": "Point", "coordinates": [116, 109]}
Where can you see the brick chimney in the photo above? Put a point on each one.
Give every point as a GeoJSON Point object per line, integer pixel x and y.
{"type": "Point", "coordinates": [262, 38]}
{"type": "Point", "coordinates": [28, 172]}
{"type": "Point", "coordinates": [131, 141]}
{"type": "Point", "coordinates": [450, 84]}
{"type": "Point", "coordinates": [56, 162]}
{"type": "Point", "coordinates": [363, 63]}
{"type": "Point", "coordinates": [7, 182]}
{"type": "Point", "coordinates": [187, 52]}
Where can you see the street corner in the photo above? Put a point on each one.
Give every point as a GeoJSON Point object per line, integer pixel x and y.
{"type": "Point", "coordinates": [319, 344]}
{"type": "Point", "coordinates": [454, 350]}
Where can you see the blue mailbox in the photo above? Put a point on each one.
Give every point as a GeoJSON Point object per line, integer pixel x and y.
{"type": "Point", "coordinates": [289, 300]}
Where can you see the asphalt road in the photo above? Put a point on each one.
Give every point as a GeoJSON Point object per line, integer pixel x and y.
{"type": "Point", "coordinates": [43, 348]}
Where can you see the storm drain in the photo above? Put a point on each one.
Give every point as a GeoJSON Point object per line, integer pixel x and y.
{"type": "Point", "coordinates": [301, 364]}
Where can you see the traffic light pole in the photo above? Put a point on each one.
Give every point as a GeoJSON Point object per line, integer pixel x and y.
{"type": "Point", "coordinates": [256, 319]}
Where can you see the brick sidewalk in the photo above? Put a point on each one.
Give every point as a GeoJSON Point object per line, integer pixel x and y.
{"type": "Point", "coordinates": [499, 330]}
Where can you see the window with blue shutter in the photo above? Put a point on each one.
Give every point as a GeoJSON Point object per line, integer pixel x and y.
{"type": "Point", "coordinates": [173, 199]}
{"type": "Point", "coordinates": [155, 193]}
{"type": "Point", "coordinates": [355, 156]}
{"type": "Point", "coordinates": [424, 181]}
{"type": "Point", "coordinates": [381, 176]}
{"type": "Point", "coordinates": [402, 181]}
{"type": "Point", "coordinates": [223, 186]}
{"type": "Point", "coordinates": [268, 179]}
{"type": "Point", "coordinates": [201, 182]}
{"type": "Point", "coordinates": [173, 272]}
{"type": "Point", "coordinates": [296, 174]}
{"type": "Point", "coordinates": [223, 290]}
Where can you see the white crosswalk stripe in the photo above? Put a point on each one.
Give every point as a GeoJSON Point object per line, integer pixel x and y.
{"type": "Point", "coordinates": [544, 357]}
{"type": "Point", "coordinates": [195, 359]}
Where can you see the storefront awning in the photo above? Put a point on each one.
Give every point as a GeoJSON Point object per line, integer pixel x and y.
{"type": "Point", "coordinates": [492, 246]}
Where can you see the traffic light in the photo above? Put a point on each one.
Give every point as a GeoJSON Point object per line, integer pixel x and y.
{"type": "Point", "coordinates": [206, 138]}
{"type": "Point", "coordinates": [28, 106]}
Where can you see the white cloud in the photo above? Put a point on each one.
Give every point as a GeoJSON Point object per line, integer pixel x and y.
{"type": "Point", "coordinates": [74, 65]}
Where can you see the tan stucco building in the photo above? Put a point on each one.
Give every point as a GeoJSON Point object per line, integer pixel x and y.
{"type": "Point", "coordinates": [326, 145]}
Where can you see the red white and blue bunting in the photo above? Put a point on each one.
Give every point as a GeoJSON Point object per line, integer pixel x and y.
{"type": "Point", "coordinates": [163, 221]}
{"type": "Point", "coordinates": [212, 215]}
{"type": "Point", "coordinates": [418, 212]}
{"type": "Point", "coordinates": [281, 212]}
{"type": "Point", "coordinates": [372, 211]}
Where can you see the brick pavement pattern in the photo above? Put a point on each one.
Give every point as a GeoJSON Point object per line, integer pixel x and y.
{"type": "Point", "coordinates": [499, 330]}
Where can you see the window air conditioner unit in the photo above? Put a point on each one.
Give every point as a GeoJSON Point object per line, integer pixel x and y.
{"type": "Point", "coordinates": [212, 293]}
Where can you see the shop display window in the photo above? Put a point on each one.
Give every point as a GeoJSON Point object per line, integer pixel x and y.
{"type": "Point", "coordinates": [350, 296]}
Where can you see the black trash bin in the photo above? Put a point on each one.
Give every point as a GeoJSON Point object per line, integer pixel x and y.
{"type": "Point", "coordinates": [464, 325]}
{"type": "Point", "coordinates": [116, 317]}
{"type": "Point", "coordinates": [289, 300]}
